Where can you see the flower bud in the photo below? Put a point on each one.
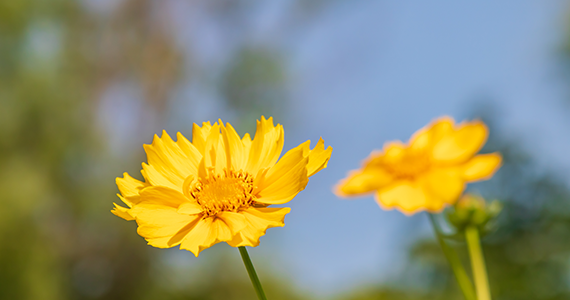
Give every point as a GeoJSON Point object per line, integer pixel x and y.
{"type": "Point", "coordinates": [472, 210]}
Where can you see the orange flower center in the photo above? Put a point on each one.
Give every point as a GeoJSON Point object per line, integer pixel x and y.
{"type": "Point", "coordinates": [410, 166]}
{"type": "Point", "coordinates": [231, 191]}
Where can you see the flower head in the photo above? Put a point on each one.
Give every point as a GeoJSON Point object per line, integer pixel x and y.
{"type": "Point", "coordinates": [427, 173]}
{"type": "Point", "coordinates": [217, 188]}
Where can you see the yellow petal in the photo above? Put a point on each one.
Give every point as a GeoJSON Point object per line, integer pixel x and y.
{"type": "Point", "coordinates": [199, 135]}
{"type": "Point", "coordinates": [158, 178]}
{"type": "Point", "coordinates": [409, 197]}
{"type": "Point", "coordinates": [481, 167]}
{"type": "Point", "coordinates": [444, 184]}
{"type": "Point", "coordinates": [363, 181]}
{"type": "Point", "coordinates": [246, 140]}
{"type": "Point", "coordinates": [459, 145]}
{"type": "Point", "coordinates": [187, 186]}
{"type": "Point", "coordinates": [128, 185]}
{"type": "Point", "coordinates": [266, 146]}
{"type": "Point", "coordinates": [202, 172]}
{"type": "Point", "coordinates": [215, 153]}
{"type": "Point", "coordinates": [420, 141]}
{"type": "Point", "coordinates": [262, 218]}
{"type": "Point", "coordinates": [122, 212]}
{"type": "Point", "coordinates": [192, 153]}
{"type": "Point", "coordinates": [394, 152]}
{"type": "Point", "coordinates": [206, 233]}
{"type": "Point", "coordinates": [258, 221]}
{"type": "Point", "coordinates": [162, 226]}
{"type": "Point", "coordinates": [167, 158]}
{"type": "Point", "coordinates": [285, 180]}
{"type": "Point", "coordinates": [441, 127]}
{"type": "Point", "coordinates": [236, 155]}
{"type": "Point", "coordinates": [285, 164]}
{"type": "Point", "coordinates": [318, 158]}
{"type": "Point", "coordinates": [130, 189]}
{"type": "Point", "coordinates": [234, 221]}
{"type": "Point", "coordinates": [158, 196]}
{"type": "Point", "coordinates": [189, 208]}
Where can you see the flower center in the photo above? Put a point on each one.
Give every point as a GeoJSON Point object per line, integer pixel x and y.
{"type": "Point", "coordinates": [410, 166]}
{"type": "Point", "coordinates": [231, 191]}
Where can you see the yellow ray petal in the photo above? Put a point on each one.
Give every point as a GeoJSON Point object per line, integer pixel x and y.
{"type": "Point", "coordinates": [266, 146]}
{"type": "Point", "coordinates": [445, 184]}
{"type": "Point", "coordinates": [130, 189]}
{"type": "Point", "coordinates": [363, 181]}
{"type": "Point", "coordinates": [128, 185]}
{"type": "Point", "coordinates": [158, 196]}
{"type": "Point", "coordinates": [288, 179]}
{"type": "Point", "coordinates": [235, 151]}
{"type": "Point", "coordinates": [199, 135]}
{"type": "Point", "coordinates": [481, 167]}
{"type": "Point", "coordinates": [192, 153]}
{"type": "Point", "coordinates": [284, 165]}
{"type": "Point", "coordinates": [262, 218]}
{"type": "Point", "coordinates": [189, 208]}
{"type": "Point", "coordinates": [167, 158]}
{"type": "Point", "coordinates": [234, 221]}
{"type": "Point", "coordinates": [393, 153]}
{"type": "Point", "coordinates": [259, 220]}
{"type": "Point", "coordinates": [246, 140]}
{"type": "Point", "coordinates": [122, 212]}
{"type": "Point", "coordinates": [157, 178]}
{"type": "Point", "coordinates": [409, 197]}
{"type": "Point", "coordinates": [461, 144]}
{"type": "Point", "coordinates": [206, 233]}
{"type": "Point", "coordinates": [441, 128]}
{"type": "Point", "coordinates": [421, 141]}
{"type": "Point", "coordinates": [215, 153]}
{"type": "Point", "coordinates": [157, 216]}
{"type": "Point", "coordinates": [318, 158]}
{"type": "Point", "coordinates": [160, 225]}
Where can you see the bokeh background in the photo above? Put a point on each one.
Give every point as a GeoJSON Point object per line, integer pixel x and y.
{"type": "Point", "coordinates": [84, 84]}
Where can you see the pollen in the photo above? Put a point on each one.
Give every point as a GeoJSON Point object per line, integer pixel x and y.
{"type": "Point", "coordinates": [231, 191]}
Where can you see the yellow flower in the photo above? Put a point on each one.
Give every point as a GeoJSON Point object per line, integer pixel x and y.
{"type": "Point", "coordinates": [217, 188]}
{"type": "Point", "coordinates": [428, 173]}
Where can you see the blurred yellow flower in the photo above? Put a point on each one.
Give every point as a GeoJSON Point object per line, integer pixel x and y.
{"type": "Point", "coordinates": [428, 173]}
{"type": "Point", "coordinates": [217, 188]}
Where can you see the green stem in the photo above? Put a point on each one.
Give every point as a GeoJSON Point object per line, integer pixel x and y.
{"type": "Point", "coordinates": [252, 275]}
{"type": "Point", "coordinates": [460, 275]}
{"type": "Point", "coordinates": [477, 263]}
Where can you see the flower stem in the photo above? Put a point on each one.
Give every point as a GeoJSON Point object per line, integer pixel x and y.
{"type": "Point", "coordinates": [477, 263]}
{"type": "Point", "coordinates": [252, 275]}
{"type": "Point", "coordinates": [460, 275]}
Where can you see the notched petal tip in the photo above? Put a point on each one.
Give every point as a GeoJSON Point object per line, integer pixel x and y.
{"type": "Point", "coordinates": [122, 212]}
{"type": "Point", "coordinates": [318, 158]}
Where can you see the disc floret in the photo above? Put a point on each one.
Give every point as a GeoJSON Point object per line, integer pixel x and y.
{"type": "Point", "coordinates": [231, 191]}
